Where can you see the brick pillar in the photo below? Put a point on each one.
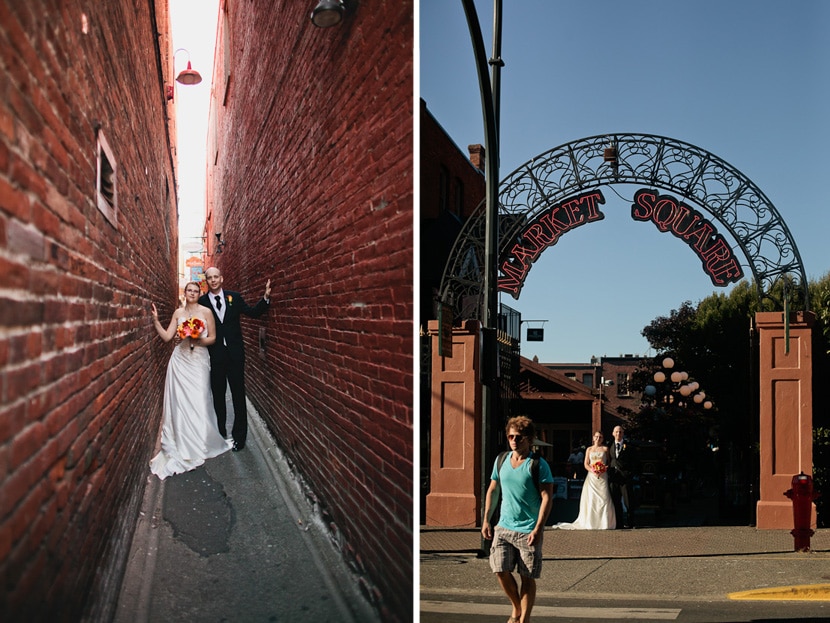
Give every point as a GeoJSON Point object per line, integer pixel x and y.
{"type": "Point", "coordinates": [455, 429]}
{"type": "Point", "coordinates": [786, 413]}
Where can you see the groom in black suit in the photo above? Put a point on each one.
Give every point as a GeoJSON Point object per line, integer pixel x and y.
{"type": "Point", "coordinates": [227, 354]}
{"type": "Point", "coordinates": [620, 470]}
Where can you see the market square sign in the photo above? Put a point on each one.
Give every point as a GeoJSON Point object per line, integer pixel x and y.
{"type": "Point", "coordinates": [666, 212]}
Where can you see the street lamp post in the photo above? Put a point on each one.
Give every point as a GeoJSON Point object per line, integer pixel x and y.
{"type": "Point", "coordinates": [490, 99]}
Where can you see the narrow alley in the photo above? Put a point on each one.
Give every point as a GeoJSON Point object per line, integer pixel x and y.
{"type": "Point", "coordinates": [236, 540]}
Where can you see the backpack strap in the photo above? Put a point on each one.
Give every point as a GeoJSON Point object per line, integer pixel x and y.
{"type": "Point", "coordinates": [534, 471]}
{"type": "Point", "coordinates": [495, 498]}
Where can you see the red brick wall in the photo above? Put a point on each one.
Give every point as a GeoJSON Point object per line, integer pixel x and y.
{"type": "Point", "coordinates": [439, 228]}
{"type": "Point", "coordinates": [438, 150]}
{"type": "Point", "coordinates": [312, 188]}
{"type": "Point", "coordinates": [81, 372]}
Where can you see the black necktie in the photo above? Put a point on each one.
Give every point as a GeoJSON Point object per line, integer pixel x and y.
{"type": "Point", "coordinates": [619, 446]}
{"type": "Point", "coordinates": [218, 303]}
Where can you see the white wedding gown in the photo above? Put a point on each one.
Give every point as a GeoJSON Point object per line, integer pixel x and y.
{"type": "Point", "coordinates": [596, 508]}
{"type": "Point", "coordinates": [189, 433]}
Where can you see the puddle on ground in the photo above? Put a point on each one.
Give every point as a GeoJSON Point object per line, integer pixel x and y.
{"type": "Point", "coordinates": [199, 511]}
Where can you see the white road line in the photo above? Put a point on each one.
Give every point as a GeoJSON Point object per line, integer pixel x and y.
{"type": "Point", "coordinates": [609, 614]}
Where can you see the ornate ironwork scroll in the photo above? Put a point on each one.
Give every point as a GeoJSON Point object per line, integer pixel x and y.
{"type": "Point", "coordinates": [698, 176]}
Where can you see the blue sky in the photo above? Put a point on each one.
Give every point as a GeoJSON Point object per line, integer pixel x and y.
{"type": "Point", "coordinates": [746, 80]}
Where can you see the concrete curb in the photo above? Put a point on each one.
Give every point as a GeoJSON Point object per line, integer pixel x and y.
{"type": "Point", "coordinates": [133, 605]}
{"type": "Point", "coordinates": [342, 583]}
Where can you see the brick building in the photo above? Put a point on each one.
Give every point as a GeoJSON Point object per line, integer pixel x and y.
{"type": "Point", "coordinates": [607, 379]}
{"type": "Point", "coordinates": [88, 226]}
{"type": "Point", "coordinates": [452, 187]}
{"type": "Point", "coordinates": [310, 184]}
{"type": "Point", "coordinates": [560, 406]}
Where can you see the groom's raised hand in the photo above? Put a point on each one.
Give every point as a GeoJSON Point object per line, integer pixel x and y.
{"type": "Point", "coordinates": [267, 295]}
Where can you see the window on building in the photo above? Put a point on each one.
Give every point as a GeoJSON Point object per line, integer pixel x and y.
{"type": "Point", "coordinates": [105, 181]}
{"type": "Point", "coordinates": [623, 384]}
{"type": "Point", "coordinates": [444, 190]}
{"type": "Point", "coordinates": [458, 203]}
{"type": "Point", "coordinates": [571, 375]}
{"type": "Point", "coordinates": [588, 379]}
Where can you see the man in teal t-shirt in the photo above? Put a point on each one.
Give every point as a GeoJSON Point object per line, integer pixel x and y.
{"type": "Point", "coordinates": [517, 538]}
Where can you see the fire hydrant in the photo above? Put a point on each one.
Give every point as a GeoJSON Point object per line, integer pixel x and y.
{"type": "Point", "coordinates": [802, 496]}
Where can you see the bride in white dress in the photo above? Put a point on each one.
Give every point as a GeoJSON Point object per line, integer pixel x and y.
{"type": "Point", "coordinates": [596, 508]}
{"type": "Point", "coordinates": [189, 434]}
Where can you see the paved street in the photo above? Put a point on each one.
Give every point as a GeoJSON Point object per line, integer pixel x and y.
{"type": "Point", "coordinates": [234, 540]}
{"type": "Point", "coordinates": [619, 574]}
{"type": "Point", "coordinates": [563, 610]}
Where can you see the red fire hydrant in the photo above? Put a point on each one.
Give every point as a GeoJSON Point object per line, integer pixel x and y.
{"type": "Point", "coordinates": [802, 496]}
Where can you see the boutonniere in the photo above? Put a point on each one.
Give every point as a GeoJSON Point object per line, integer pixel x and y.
{"type": "Point", "coordinates": [230, 299]}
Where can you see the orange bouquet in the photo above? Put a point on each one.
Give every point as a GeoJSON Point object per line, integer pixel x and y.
{"type": "Point", "coordinates": [599, 468]}
{"type": "Point", "coordinates": [192, 328]}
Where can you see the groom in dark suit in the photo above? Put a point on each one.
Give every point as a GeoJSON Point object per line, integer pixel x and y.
{"type": "Point", "coordinates": [620, 470]}
{"type": "Point", "coordinates": [227, 354]}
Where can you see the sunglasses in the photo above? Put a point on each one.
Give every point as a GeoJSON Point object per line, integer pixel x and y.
{"type": "Point", "coordinates": [515, 437]}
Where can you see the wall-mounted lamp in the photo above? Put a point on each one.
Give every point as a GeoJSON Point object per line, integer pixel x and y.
{"type": "Point", "coordinates": [188, 76]}
{"type": "Point", "coordinates": [328, 13]}
{"type": "Point", "coordinates": [219, 243]}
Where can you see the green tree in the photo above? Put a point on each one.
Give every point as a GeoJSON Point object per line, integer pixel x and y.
{"type": "Point", "coordinates": [714, 342]}
{"type": "Point", "coordinates": [820, 304]}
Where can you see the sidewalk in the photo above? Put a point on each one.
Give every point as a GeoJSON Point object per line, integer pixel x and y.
{"type": "Point", "coordinates": [684, 562]}
{"type": "Point", "coordinates": [235, 540]}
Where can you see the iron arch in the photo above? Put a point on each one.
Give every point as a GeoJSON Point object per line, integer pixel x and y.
{"type": "Point", "coordinates": [695, 174]}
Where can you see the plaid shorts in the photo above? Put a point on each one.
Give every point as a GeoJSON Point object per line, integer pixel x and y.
{"type": "Point", "coordinates": [510, 552]}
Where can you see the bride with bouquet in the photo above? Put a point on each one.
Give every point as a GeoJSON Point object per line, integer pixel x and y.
{"type": "Point", "coordinates": [189, 434]}
{"type": "Point", "coordinates": [596, 508]}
